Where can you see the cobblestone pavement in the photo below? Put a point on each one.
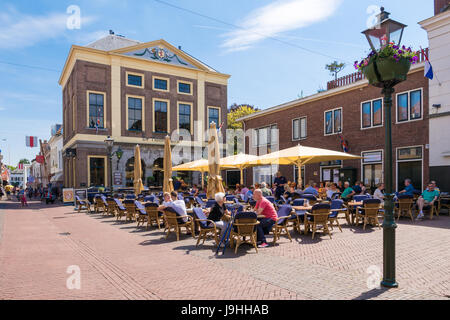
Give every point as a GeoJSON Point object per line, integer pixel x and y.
{"type": "Point", "coordinates": [119, 261]}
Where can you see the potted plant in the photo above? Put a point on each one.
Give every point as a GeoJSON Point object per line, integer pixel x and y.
{"type": "Point", "coordinates": [390, 63]}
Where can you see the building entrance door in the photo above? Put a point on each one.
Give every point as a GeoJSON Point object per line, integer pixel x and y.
{"type": "Point", "coordinates": [410, 170]}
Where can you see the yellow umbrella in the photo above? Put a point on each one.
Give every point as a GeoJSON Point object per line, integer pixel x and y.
{"type": "Point", "coordinates": [198, 165]}
{"type": "Point", "coordinates": [168, 183]}
{"type": "Point", "coordinates": [300, 156]}
{"type": "Point", "coordinates": [214, 179]}
{"type": "Point", "coordinates": [239, 161]}
{"type": "Point", "coordinates": [137, 181]}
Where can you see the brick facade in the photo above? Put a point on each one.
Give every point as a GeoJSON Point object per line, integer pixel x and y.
{"type": "Point", "coordinates": [414, 133]}
{"type": "Point", "coordinates": [88, 76]}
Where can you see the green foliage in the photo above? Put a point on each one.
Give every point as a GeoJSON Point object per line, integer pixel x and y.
{"type": "Point", "coordinates": [335, 67]}
{"type": "Point", "coordinates": [237, 111]}
{"type": "Point", "coordinates": [24, 161]}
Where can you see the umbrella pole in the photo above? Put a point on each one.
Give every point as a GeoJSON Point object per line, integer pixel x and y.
{"type": "Point", "coordinates": [242, 176]}
{"type": "Point", "coordinates": [299, 168]}
{"type": "Point", "coordinates": [203, 184]}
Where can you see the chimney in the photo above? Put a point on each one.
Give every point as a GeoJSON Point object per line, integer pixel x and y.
{"type": "Point", "coordinates": [439, 5]}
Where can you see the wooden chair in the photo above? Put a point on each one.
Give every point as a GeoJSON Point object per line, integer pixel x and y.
{"type": "Point", "coordinates": [176, 222]}
{"type": "Point", "coordinates": [444, 203]}
{"type": "Point", "coordinates": [244, 226]}
{"type": "Point", "coordinates": [281, 225]}
{"type": "Point", "coordinates": [141, 214]}
{"type": "Point", "coordinates": [98, 203]}
{"type": "Point", "coordinates": [432, 209]}
{"type": "Point", "coordinates": [207, 227]}
{"type": "Point", "coordinates": [312, 199]}
{"type": "Point", "coordinates": [369, 212]}
{"type": "Point", "coordinates": [405, 204]}
{"type": "Point", "coordinates": [130, 209]}
{"type": "Point", "coordinates": [318, 217]}
{"type": "Point", "coordinates": [120, 209]}
{"type": "Point", "coordinates": [297, 219]}
{"type": "Point", "coordinates": [153, 215]}
{"type": "Point", "coordinates": [83, 204]}
{"type": "Point", "coordinates": [111, 206]}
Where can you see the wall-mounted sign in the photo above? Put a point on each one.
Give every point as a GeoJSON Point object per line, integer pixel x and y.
{"type": "Point", "coordinates": [117, 178]}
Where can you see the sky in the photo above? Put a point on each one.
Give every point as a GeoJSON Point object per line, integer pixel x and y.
{"type": "Point", "coordinates": [275, 51]}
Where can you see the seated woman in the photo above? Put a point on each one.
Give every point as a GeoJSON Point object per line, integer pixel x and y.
{"type": "Point", "coordinates": [219, 213]}
{"type": "Point", "coordinates": [332, 189]}
{"type": "Point", "coordinates": [378, 193]}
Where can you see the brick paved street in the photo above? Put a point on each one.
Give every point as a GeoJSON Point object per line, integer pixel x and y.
{"type": "Point", "coordinates": [119, 261]}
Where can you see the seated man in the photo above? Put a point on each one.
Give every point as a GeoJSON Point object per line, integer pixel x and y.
{"type": "Point", "coordinates": [428, 197]}
{"type": "Point", "coordinates": [170, 200]}
{"type": "Point", "coordinates": [264, 207]}
{"type": "Point", "coordinates": [348, 192]}
{"type": "Point", "coordinates": [218, 212]}
{"type": "Point", "coordinates": [357, 188]}
{"type": "Point", "coordinates": [311, 189]}
{"type": "Point", "coordinates": [409, 189]}
{"type": "Point", "coordinates": [249, 194]}
{"type": "Point", "coordinates": [266, 191]}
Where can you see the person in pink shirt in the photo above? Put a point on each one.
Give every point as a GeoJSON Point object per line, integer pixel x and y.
{"type": "Point", "coordinates": [264, 207]}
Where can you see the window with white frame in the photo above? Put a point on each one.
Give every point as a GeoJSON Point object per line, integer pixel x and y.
{"type": "Point", "coordinates": [372, 114]}
{"type": "Point", "coordinates": [299, 129]}
{"type": "Point", "coordinates": [409, 106]}
{"type": "Point", "coordinates": [266, 136]}
{"type": "Point", "coordinates": [333, 121]}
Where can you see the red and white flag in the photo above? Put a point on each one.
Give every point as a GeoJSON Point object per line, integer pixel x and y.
{"type": "Point", "coordinates": [20, 166]}
{"type": "Point", "coordinates": [31, 142]}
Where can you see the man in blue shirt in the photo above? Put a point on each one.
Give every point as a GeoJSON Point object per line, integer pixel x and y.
{"type": "Point", "coordinates": [311, 189]}
{"type": "Point", "coordinates": [409, 189]}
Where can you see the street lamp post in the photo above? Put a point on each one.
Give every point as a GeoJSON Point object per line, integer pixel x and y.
{"type": "Point", "coordinates": [119, 154]}
{"type": "Point", "coordinates": [385, 32]}
{"type": "Point", "coordinates": [109, 145]}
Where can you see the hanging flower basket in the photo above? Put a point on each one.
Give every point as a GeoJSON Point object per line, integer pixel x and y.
{"type": "Point", "coordinates": [391, 63]}
{"type": "Point", "coordinates": [387, 69]}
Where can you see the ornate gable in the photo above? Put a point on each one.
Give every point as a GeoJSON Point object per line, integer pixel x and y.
{"type": "Point", "coordinates": [160, 54]}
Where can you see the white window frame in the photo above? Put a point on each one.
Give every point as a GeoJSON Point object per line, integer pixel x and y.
{"type": "Point", "coordinates": [333, 129]}
{"type": "Point", "coordinates": [409, 106]}
{"type": "Point", "coordinates": [300, 128]}
{"type": "Point", "coordinates": [362, 162]}
{"type": "Point", "coordinates": [371, 114]}
{"type": "Point", "coordinates": [255, 133]}
{"type": "Point", "coordinates": [408, 160]}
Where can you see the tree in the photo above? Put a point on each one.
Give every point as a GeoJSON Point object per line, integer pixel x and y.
{"type": "Point", "coordinates": [237, 111]}
{"type": "Point", "coordinates": [24, 161]}
{"type": "Point", "coordinates": [334, 68]}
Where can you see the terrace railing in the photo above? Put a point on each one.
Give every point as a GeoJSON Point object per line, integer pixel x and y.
{"type": "Point", "coordinates": [357, 76]}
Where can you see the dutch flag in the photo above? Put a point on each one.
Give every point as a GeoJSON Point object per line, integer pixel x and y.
{"type": "Point", "coordinates": [428, 67]}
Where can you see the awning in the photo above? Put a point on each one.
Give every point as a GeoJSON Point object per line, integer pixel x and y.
{"type": "Point", "coordinates": [58, 177]}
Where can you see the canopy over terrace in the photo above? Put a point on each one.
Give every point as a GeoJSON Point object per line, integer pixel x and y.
{"type": "Point", "coordinates": [300, 156]}
{"type": "Point", "coordinates": [239, 161]}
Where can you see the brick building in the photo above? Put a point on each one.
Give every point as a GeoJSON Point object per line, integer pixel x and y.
{"type": "Point", "coordinates": [352, 110]}
{"type": "Point", "coordinates": [137, 93]}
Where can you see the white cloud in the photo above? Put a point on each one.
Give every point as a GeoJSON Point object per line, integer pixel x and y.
{"type": "Point", "coordinates": [19, 30]}
{"type": "Point", "coordinates": [278, 17]}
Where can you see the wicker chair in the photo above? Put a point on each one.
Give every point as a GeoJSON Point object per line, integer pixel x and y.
{"type": "Point", "coordinates": [432, 209]}
{"type": "Point", "coordinates": [312, 199]}
{"type": "Point", "coordinates": [405, 204]}
{"type": "Point", "coordinates": [369, 212]}
{"type": "Point", "coordinates": [153, 215]}
{"type": "Point", "coordinates": [207, 227]}
{"type": "Point", "coordinates": [297, 219]}
{"type": "Point", "coordinates": [244, 226]}
{"type": "Point", "coordinates": [281, 226]}
{"type": "Point", "coordinates": [99, 204]}
{"type": "Point", "coordinates": [120, 209]}
{"type": "Point", "coordinates": [176, 222]}
{"type": "Point", "coordinates": [319, 216]}
{"type": "Point", "coordinates": [111, 206]}
{"type": "Point", "coordinates": [130, 209]}
{"type": "Point", "coordinates": [141, 214]}
{"type": "Point", "coordinates": [83, 204]}
{"type": "Point", "coordinates": [336, 207]}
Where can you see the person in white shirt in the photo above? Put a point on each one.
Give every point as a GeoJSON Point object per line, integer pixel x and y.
{"type": "Point", "coordinates": [378, 193]}
{"type": "Point", "coordinates": [332, 190]}
{"type": "Point", "coordinates": [171, 200]}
